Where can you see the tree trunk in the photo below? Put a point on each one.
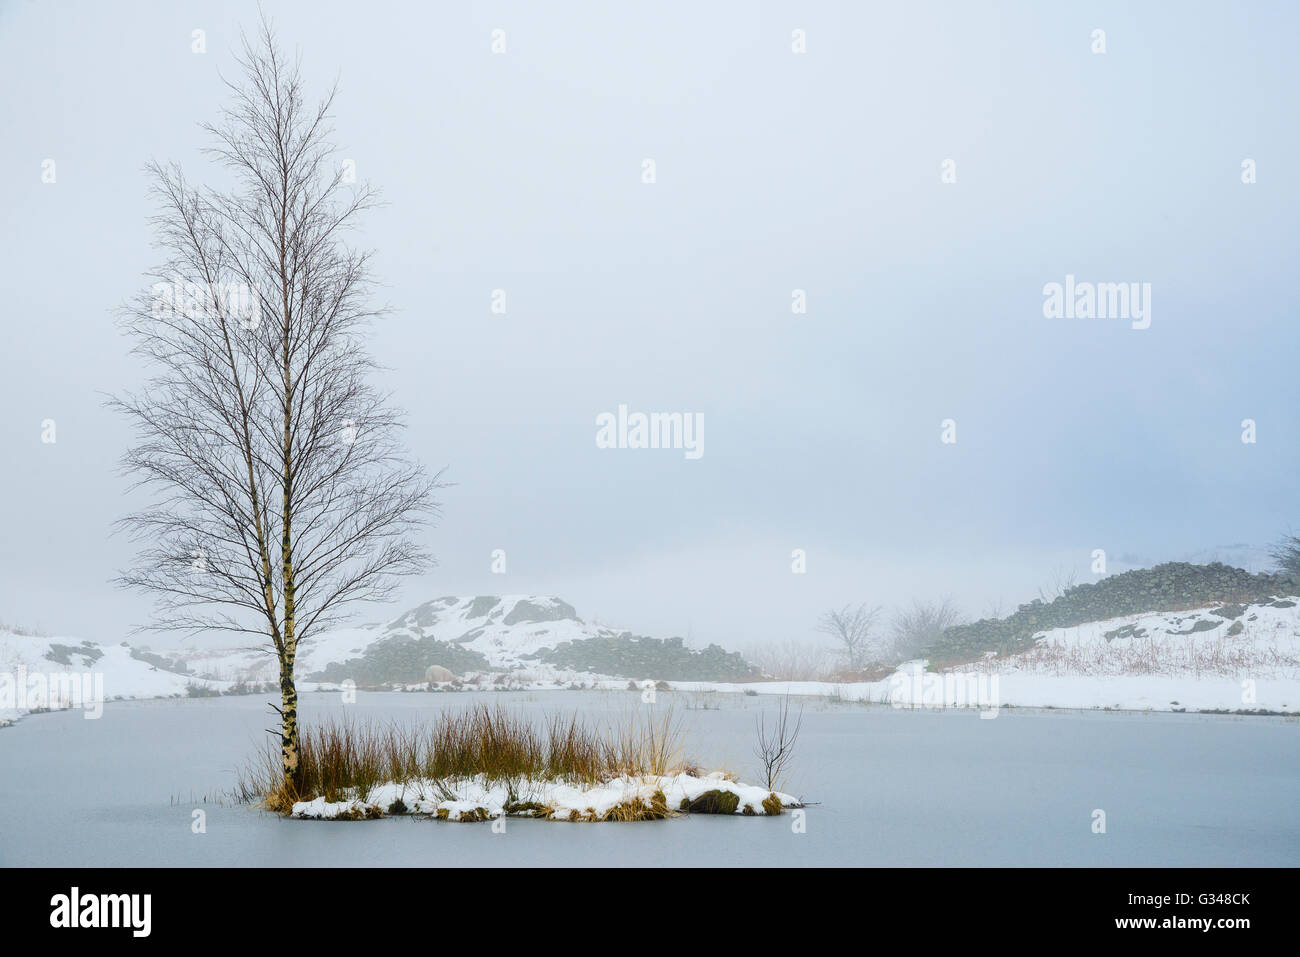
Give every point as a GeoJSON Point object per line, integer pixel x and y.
{"type": "Point", "coordinates": [289, 727]}
{"type": "Point", "coordinates": [288, 693]}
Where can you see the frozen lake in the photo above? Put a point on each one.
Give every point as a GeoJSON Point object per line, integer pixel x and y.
{"type": "Point", "coordinates": [895, 788]}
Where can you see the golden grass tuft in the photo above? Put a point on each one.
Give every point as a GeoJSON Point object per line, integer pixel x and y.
{"type": "Point", "coordinates": [344, 759]}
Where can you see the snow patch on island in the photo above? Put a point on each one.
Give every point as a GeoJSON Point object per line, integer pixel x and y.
{"type": "Point", "coordinates": [476, 799]}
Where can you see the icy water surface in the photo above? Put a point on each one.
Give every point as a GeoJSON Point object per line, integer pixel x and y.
{"type": "Point", "coordinates": [894, 788]}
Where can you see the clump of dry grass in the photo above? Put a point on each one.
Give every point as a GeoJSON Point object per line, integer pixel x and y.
{"type": "Point", "coordinates": [343, 758]}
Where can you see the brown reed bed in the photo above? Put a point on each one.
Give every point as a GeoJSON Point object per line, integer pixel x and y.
{"type": "Point", "coordinates": [344, 757]}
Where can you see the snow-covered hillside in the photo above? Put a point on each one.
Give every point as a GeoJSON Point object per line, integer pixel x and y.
{"type": "Point", "coordinates": [493, 633]}
{"type": "Point", "coordinates": [502, 629]}
{"type": "Point", "coordinates": [38, 673]}
{"type": "Point", "coordinates": [1232, 641]}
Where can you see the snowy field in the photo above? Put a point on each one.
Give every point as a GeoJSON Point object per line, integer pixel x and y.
{"type": "Point", "coordinates": [889, 786]}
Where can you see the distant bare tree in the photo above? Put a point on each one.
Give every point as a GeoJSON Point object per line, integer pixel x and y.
{"type": "Point", "coordinates": [852, 628]}
{"type": "Point", "coordinates": [281, 496]}
{"type": "Point", "coordinates": [918, 627]}
{"type": "Point", "coordinates": [1063, 580]}
{"type": "Point", "coordinates": [792, 660]}
{"type": "Point", "coordinates": [1286, 555]}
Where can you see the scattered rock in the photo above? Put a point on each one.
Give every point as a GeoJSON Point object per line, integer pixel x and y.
{"type": "Point", "coordinates": [1229, 611]}
{"type": "Point", "coordinates": [712, 802]}
{"type": "Point", "coordinates": [438, 673]}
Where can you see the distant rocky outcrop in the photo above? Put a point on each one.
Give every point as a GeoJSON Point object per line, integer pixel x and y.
{"type": "Point", "coordinates": [634, 656]}
{"type": "Point", "coordinates": [402, 659]}
{"type": "Point", "coordinates": [1173, 586]}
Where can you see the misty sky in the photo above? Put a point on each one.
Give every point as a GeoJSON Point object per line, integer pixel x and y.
{"type": "Point", "coordinates": [775, 172]}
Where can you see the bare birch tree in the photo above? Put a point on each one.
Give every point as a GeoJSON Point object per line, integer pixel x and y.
{"type": "Point", "coordinates": [280, 495]}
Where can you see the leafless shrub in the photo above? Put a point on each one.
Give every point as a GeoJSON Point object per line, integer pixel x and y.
{"type": "Point", "coordinates": [775, 746]}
